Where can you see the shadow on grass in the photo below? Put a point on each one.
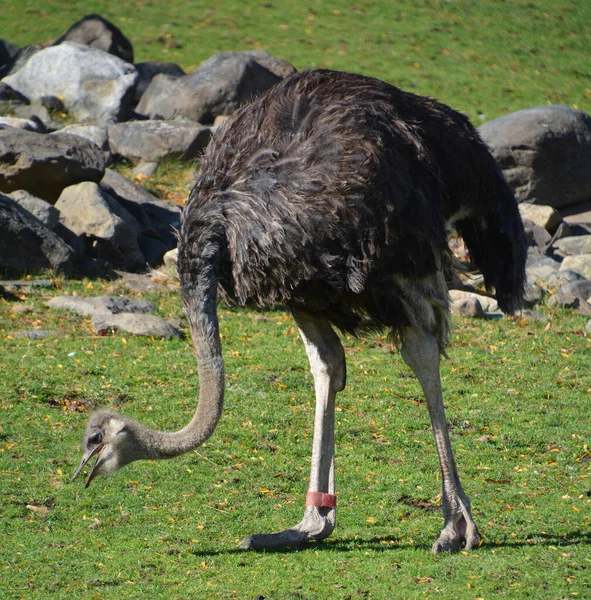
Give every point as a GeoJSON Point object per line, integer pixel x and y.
{"type": "Point", "coordinates": [389, 543]}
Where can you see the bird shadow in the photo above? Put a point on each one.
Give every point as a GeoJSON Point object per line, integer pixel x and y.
{"type": "Point", "coordinates": [389, 543]}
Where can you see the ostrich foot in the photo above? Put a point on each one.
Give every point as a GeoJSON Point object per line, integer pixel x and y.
{"type": "Point", "coordinates": [459, 531]}
{"type": "Point", "coordinates": [317, 524]}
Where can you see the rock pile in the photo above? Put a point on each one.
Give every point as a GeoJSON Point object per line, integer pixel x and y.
{"type": "Point", "coordinates": [61, 207]}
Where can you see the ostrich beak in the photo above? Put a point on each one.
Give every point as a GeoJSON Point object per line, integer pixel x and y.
{"type": "Point", "coordinates": [87, 456]}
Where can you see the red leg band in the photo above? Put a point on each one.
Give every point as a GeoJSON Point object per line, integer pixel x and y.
{"type": "Point", "coordinates": [321, 500]}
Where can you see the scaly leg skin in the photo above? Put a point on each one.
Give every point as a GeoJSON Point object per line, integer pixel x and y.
{"type": "Point", "coordinates": [327, 364]}
{"type": "Point", "coordinates": [420, 351]}
{"type": "Point", "coordinates": [317, 524]}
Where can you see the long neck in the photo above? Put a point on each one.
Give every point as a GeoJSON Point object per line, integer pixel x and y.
{"type": "Point", "coordinates": [200, 306]}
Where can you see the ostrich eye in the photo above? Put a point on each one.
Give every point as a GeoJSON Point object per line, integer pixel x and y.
{"type": "Point", "coordinates": [95, 438]}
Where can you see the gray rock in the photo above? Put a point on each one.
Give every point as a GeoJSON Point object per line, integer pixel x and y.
{"type": "Point", "coordinates": [563, 230]}
{"type": "Point", "coordinates": [15, 285]}
{"type": "Point", "coordinates": [74, 241]}
{"type": "Point", "coordinates": [467, 281]}
{"type": "Point", "coordinates": [532, 293]}
{"type": "Point", "coordinates": [530, 315]}
{"type": "Point", "coordinates": [217, 87]}
{"type": "Point", "coordinates": [536, 235]}
{"type": "Point", "coordinates": [91, 213]}
{"type": "Point", "coordinates": [26, 245]}
{"type": "Point", "coordinates": [544, 216]}
{"type": "Point", "coordinates": [467, 307]}
{"type": "Point", "coordinates": [35, 111]}
{"type": "Point", "coordinates": [541, 271]}
{"type": "Point", "coordinates": [557, 279]}
{"type": "Point", "coordinates": [93, 85]}
{"type": "Point", "coordinates": [148, 70]}
{"type": "Point", "coordinates": [573, 295]}
{"type": "Point", "coordinates": [139, 282]}
{"type": "Point", "coordinates": [467, 299]}
{"type": "Point", "coordinates": [33, 334]}
{"type": "Point", "coordinates": [10, 99]}
{"type": "Point", "coordinates": [577, 215]}
{"type": "Point", "coordinates": [538, 258]}
{"type": "Point", "coordinates": [157, 218]}
{"type": "Point", "coordinates": [578, 244]}
{"type": "Point", "coordinates": [170, 259]}
{"type": "Point", "coordinates": [278, 66]}
{"type": "Point", "coordinates": [151, 141]}
{"type": "Point", "coordinates": [544, 152]}
{"type": "Point", "coordinates": [145, 169]}
{"type": "Point", "coordinates": [149, 325]}
{"type": "Point", "coordinates": [45, 164]}
{"type": "Point", "coordinates": [40, 209]}
{"type": "Point", "coordinates": [581, 263]}
{"type": "Point", "coordinates": [96, 32]}
{"type": "Point", "coordinates": [94, 133]}
{"type": "Point", "coordinates": [18, 123]}
{"type": "Point", "coordinates": [100, 305]}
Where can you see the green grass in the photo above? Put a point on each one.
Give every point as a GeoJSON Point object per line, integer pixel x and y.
{"type": "Point", "coordinates": [484, 57]}
{"type": "Point", "coordinates": [517, 392]}
{"type": "Point", "coordinates": [518, 404]}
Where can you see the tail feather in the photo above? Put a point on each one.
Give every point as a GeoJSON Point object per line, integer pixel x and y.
{"type": "Point", "coordinates": [496, 240]}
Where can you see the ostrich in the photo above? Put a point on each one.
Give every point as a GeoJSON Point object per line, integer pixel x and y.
{"type": "Point", "coordinates": [332, 194]}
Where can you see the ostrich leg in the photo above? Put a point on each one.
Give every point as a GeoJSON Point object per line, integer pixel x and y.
{"type": "Point", "coordinates": [327, 364]}
{"type": "Point", "coordinates": [421, 353]}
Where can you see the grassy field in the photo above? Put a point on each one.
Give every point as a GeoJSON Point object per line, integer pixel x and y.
{"type": "Point", "coordinates": [518, 392]}
{"type": "Point", "coordinates": [518, 404]}
{"type": "Point", "coordinates": [484, 57]}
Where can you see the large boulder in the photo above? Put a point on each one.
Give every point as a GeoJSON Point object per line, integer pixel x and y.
{"type": "Point", "coordinates": [26, 245]}
{"type": "Point", "coordinates": [545, 153]}
{"type": "Point", "coordinates": [151, 141]}
{"type": "Point", "coordinates": [217, 87]}
{"type": "Point", "coordinates": [158, 219]}
{"type": "Point", "coordinates": [109, 231]}
{"type": "Point", "coordinates": [93, 85]}
{"type": "Point", "coordinates": [45, 164]}
{"type": "Point", "coordinates": [96, 32]}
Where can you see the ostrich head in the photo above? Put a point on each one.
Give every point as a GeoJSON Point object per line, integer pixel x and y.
{"type": "Point", "coordinates": [111, 438]}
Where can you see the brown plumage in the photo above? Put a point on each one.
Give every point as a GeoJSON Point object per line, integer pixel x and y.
{"type": "Point", "coordinates": [332, 194]}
